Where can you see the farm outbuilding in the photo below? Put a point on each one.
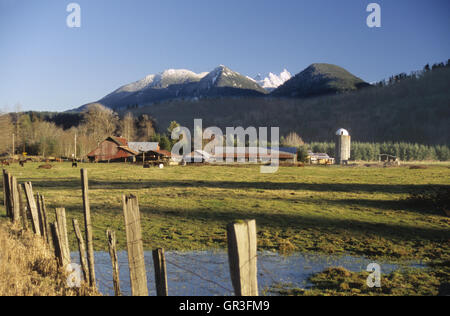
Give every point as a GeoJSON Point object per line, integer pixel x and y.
{"type": "Point", "coordinates": [245, 157]}
{"type": "Point", "coordinates": [157, 156]}
{"type": "Point", "coordinates": [112, 149]}
{"type": "Point", "coordinates": [319, 159]}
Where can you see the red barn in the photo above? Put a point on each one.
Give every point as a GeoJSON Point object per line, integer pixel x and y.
{"type": "Point", "coordinates": [112, 149]}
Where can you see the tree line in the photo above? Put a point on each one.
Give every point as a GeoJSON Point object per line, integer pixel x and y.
{"type": "Point", "coordinates": [413, 75]}
{"type": "Point", "coordinates": [371, 151]}
{"type": "Point", "coordinates": [33, 134]}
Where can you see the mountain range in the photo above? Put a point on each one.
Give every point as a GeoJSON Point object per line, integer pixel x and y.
{"type": "Point", "coordinates": [182, 84]}
{"type": "Point", "coordinates": [407, 108]}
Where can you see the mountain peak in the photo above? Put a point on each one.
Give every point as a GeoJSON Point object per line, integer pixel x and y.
{"type": "Point", "coordinates": [224, 77]}
{"type": "Point", "coordinates": [318, 79]}
{"type": "Point", "coordinates": [272, 81]}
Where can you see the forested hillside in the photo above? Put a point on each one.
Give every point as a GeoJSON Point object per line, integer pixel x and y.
{"type": "Point", "coordinates": [409, 109]}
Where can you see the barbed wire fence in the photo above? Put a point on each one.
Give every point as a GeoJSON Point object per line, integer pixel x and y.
{"type": "Point", "coordinates": [194, 273]}
{"type": "Point", "coordinates": [202, 273]}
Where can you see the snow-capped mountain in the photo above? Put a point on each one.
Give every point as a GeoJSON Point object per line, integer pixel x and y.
{"type": "Point", "coordinates": [181, 83]}
{"type": "Point", "coordinates": [272, 81]}
{"type": "Point", "coordinates": [162, 80]}
{"type": "Point", "coordinates": [224, 77]}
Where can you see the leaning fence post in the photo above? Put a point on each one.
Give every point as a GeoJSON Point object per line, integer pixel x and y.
{"type": "Point", "coordinates": [41, 217]}
{"type": "Point", "coordinates": [15, 200]}
{"type": "Point", "coordinates": [136, 260]}
{"type": "Point", "coordinates": [4, 190]}
{"type": "Point", "coordinates": [62, 233]}
{"type": "Point", "coordinates": [7, 193]}
{"type": "Point", "coordinates": [11, 197]}
{"type": "Point", "coordinates": [44, 218]}
{"type": "Point", "coordinates": [32, 207]}
{"type": "Point", "coordinates": [23, 208]}
{"type": "Point", "coordinates": [111, 237]}
{"type": "Point", "coordinates": [54, 229]}
{"type": "Point", "coordinates": [88, 227]}
{"type": "Point", "coordinates": [82, 250]}
{"type": "Point", "coordinates": [159, 261]}
{"type": "Point", "coordinates": [242, 257]}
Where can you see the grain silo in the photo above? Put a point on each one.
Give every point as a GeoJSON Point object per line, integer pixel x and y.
{"type": "Point", "coordinates": [343, 141]}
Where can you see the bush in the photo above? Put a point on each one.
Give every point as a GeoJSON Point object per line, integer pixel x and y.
{"type": "Point", "coordinates": [302, 153]}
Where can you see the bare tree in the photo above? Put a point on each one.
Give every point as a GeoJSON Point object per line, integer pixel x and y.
{"type": "Point", "coordinates": [6, 134]}
{"type": "Point", "coordinates": [100, 122]}
{"type": "Point", "coordinates": [146, 128]}
{"type": "Point", "coordinates": [292, 140]}
{"type": "Point", "coordinates": [127, 126]}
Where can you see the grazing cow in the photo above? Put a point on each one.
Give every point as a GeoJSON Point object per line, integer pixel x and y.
{"type": "Point", "coordinates": [5, 163]}
{"type": "Point", "coordinates": [46, 166]}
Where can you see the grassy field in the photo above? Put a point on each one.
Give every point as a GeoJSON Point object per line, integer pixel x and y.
{"type": "Point", "coordinates": [354, 210]}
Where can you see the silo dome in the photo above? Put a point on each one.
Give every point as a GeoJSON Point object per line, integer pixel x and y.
{"type": "Point", "coordinates": [342, 132]}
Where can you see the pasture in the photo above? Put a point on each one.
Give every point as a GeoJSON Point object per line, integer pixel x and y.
{"type": "Point", "coordinates": [334, 210]}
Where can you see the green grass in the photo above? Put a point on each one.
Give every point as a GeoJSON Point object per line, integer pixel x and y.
{"type": "Point", "coordinates": [337, 281]}
{"type": "Point", "coordinates": [332, 210]}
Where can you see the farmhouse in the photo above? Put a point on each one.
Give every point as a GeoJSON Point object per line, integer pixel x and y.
{"type": "Point", "coordinates": [112, 149]}
{"type": "Point", "coordinates": [319, 159]}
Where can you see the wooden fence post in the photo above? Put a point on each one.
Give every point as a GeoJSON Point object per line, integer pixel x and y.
{"type": "Point", "coordinates": [7, 193]}
{"type": "Point", "coordinates": [23, 208]}
{"type": "Point", "coordinates": [43, 211]}
{"type": "Point", "coordinates": [41, 216]}
{"type": "Point", "coordinates": [32, 207]}
{"type": "Point", "coordinates": [15, 200]}
{"type": "Point", "coordinates": [4, 190]}
{"type": "Point", "coordinates": [63, 238]}
{"type": "Point", "coordinates": [111, 237]}
{"type": "Point", "coordinates": [242, 254]}
{"type": "Point", "coordinates": [88, 227]}
{"type": "Point", "coordinates": [159, 261]}
{"type": "Point", "coordinates": [82, 250]}
{"type": "Point", "coordinates": [54, 229]}
{"type": "Point", "coordinates": [136, 260]}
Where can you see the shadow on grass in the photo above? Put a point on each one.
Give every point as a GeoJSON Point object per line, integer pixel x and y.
{"type": "Point", "coordinates": [270, 185]}
{"type": "Point", "coordinates": [301, 221]}
{"type": "Point", "coordinates": [388, 205]}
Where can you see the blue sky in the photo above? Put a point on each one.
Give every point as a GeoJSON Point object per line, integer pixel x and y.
{"type": "Point", "coordinates": [44, 65]}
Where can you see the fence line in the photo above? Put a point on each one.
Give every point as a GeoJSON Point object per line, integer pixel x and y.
{"type": "Point", "coordinates": [242, 251]}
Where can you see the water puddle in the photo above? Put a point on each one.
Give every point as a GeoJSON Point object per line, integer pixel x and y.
{"type": "Point", "coordinates": [206, 273]}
